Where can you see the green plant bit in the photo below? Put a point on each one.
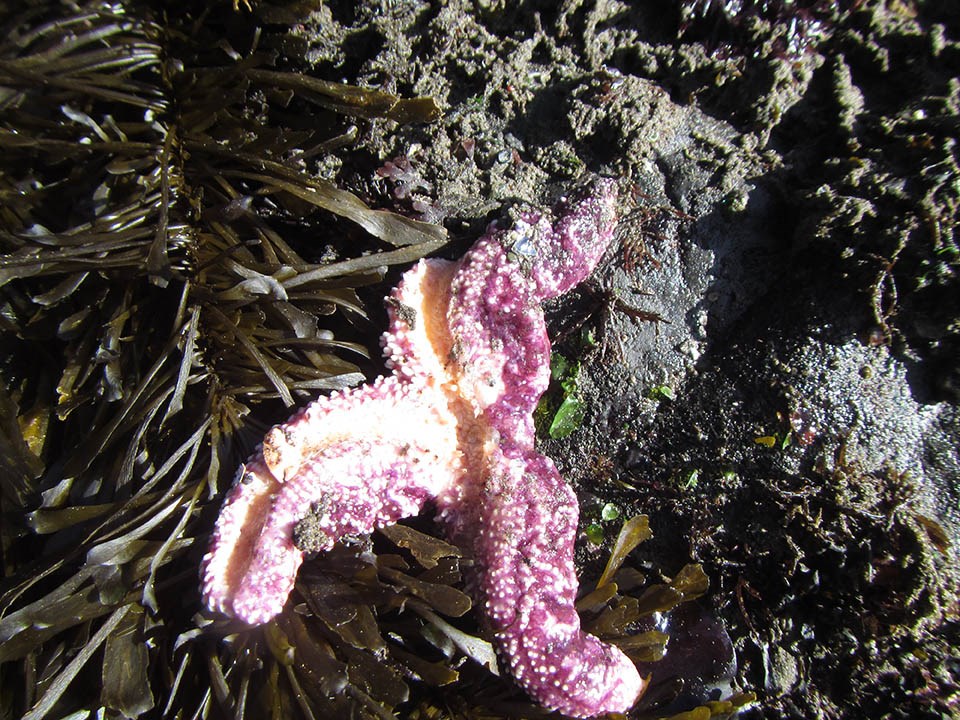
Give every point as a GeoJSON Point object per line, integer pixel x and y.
{"type": "Point", "coordinates": [594, 533]}
{"type": "Point", "coordinates": [609, 512]}
{"type": "Point", "coordinates": [570, 411]}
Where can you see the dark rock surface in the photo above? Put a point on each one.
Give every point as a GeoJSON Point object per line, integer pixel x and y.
{"type": "Point", "coordinates": [787, 272]}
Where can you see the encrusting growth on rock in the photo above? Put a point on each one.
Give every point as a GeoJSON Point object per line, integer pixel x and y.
{"type": "Point", "coordinates": [453, 425]}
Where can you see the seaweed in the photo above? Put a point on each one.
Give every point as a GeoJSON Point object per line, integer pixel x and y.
{"type": "Point", "coordinates": [167, 262]}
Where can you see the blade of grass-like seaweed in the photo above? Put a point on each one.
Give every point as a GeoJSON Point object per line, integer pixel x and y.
{"type": "Point", "coordinates": [388, 226]}
{"type": "Point", "coordinates": [366, 262]}
{"type": "Point", "coordinates": [350, 99]}
{"type": "Point", "coordinates": [256, 355]}
{"type": "Point", "coordinates": [117, 550]}
{"type": "Point", "coordinates": [383, 688]}
{"type": "Point", "coordinates": [187, 359]}
{"type": "Point", "coordinates": [62, 290]}
{"type": "Point", "coordinates": [59, 684]}
{"type": "Point", "coordinates": [436, 674]}
{"type": "Point", "coordinates": [299, 695]}
{"type": "Point", "coordinates": [375, 708]}
{"type": "Point", "coordinates": [688, 584]}
{"type": "Point", "coordinates": [10, 623]}
{"type": "Point", "coordinates": [142, 425]}
{"type": "Point", "coordinates": [125, 683]}
{"type": "Point", "coordinates": [240, 711]}
{"type": "Point", "coordinates": [158, 264]}
{"type": "Point", "coordinates": [218, 683]}
{"type": "Point", "coordinates": [33, 613]}
{"type": "Point", "coordinates": [148, 596]}
{"type": "Point", "coordinates": [53, 618]}
{"type": "Point", "coordinates": [175, 685]}
{"type": "Point", "coordinates": [597, 598]}
{"type": "Point", "coordinates": [217, 446]}
{"type": "Point", "coordinates": [308, 343]}
{"type": "Point", "coordinates": [426, 549]}
{"type": "Point", "coordinates": [291, 643]}
{"type": "Point", "coordinates": [634, 531]}
{"type": "Point", "coordinates": [46, 521]}
{"type": "Point", "coordinates": [448, 600]}
{"type": "Point", "coordinates": [59, 26]}
{"type": "Point", "coordinates": [648, 646]}
{"type": "Point", "coordinates": [479, 650]}
{"type": "Point", "coordinates": [272, 239]}
{"type": "Point", "coordinates": [338, 382]}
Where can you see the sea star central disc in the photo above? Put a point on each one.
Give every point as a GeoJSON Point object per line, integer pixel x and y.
{"type": "Point", "coordinates": [452, 424]}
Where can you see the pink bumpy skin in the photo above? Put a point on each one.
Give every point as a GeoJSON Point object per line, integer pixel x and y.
{"type": "Point", "coordinates": [452, 425]}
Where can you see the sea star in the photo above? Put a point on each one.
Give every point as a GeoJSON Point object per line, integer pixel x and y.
{"type": "Point", "coordinates": [452, 424]}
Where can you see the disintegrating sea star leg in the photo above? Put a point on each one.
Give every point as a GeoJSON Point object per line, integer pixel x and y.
{"type": "Point", "coordinates": [244, 512]}
{"type": "Point", "coordinates": [524, 550]}
{"type": "Point", "coordinates": [358, 487]}
{"type": "Point", "coordinates": [363, 484]}
{"type": "Point", "coordinates": [581, 234]}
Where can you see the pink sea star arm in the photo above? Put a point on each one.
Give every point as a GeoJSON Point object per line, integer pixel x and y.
{"type": "Point", "coordinates": [359, 484]}
{"type": "Point", "coordinates": [498, 334]}
{"type": "Point", "coordinates": [562, 249]}
{"type": "Point", "coordinates": [523, 539]}
{"type": "Point", "coordinates": [351, 496]}
{"type": "Point", "coordinates": [244, 512]}
{"type": "Point", "coordinates": [522, 522]}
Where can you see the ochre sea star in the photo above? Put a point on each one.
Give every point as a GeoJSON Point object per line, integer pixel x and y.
{"type": "Point", "coordinates": [451, 425]}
